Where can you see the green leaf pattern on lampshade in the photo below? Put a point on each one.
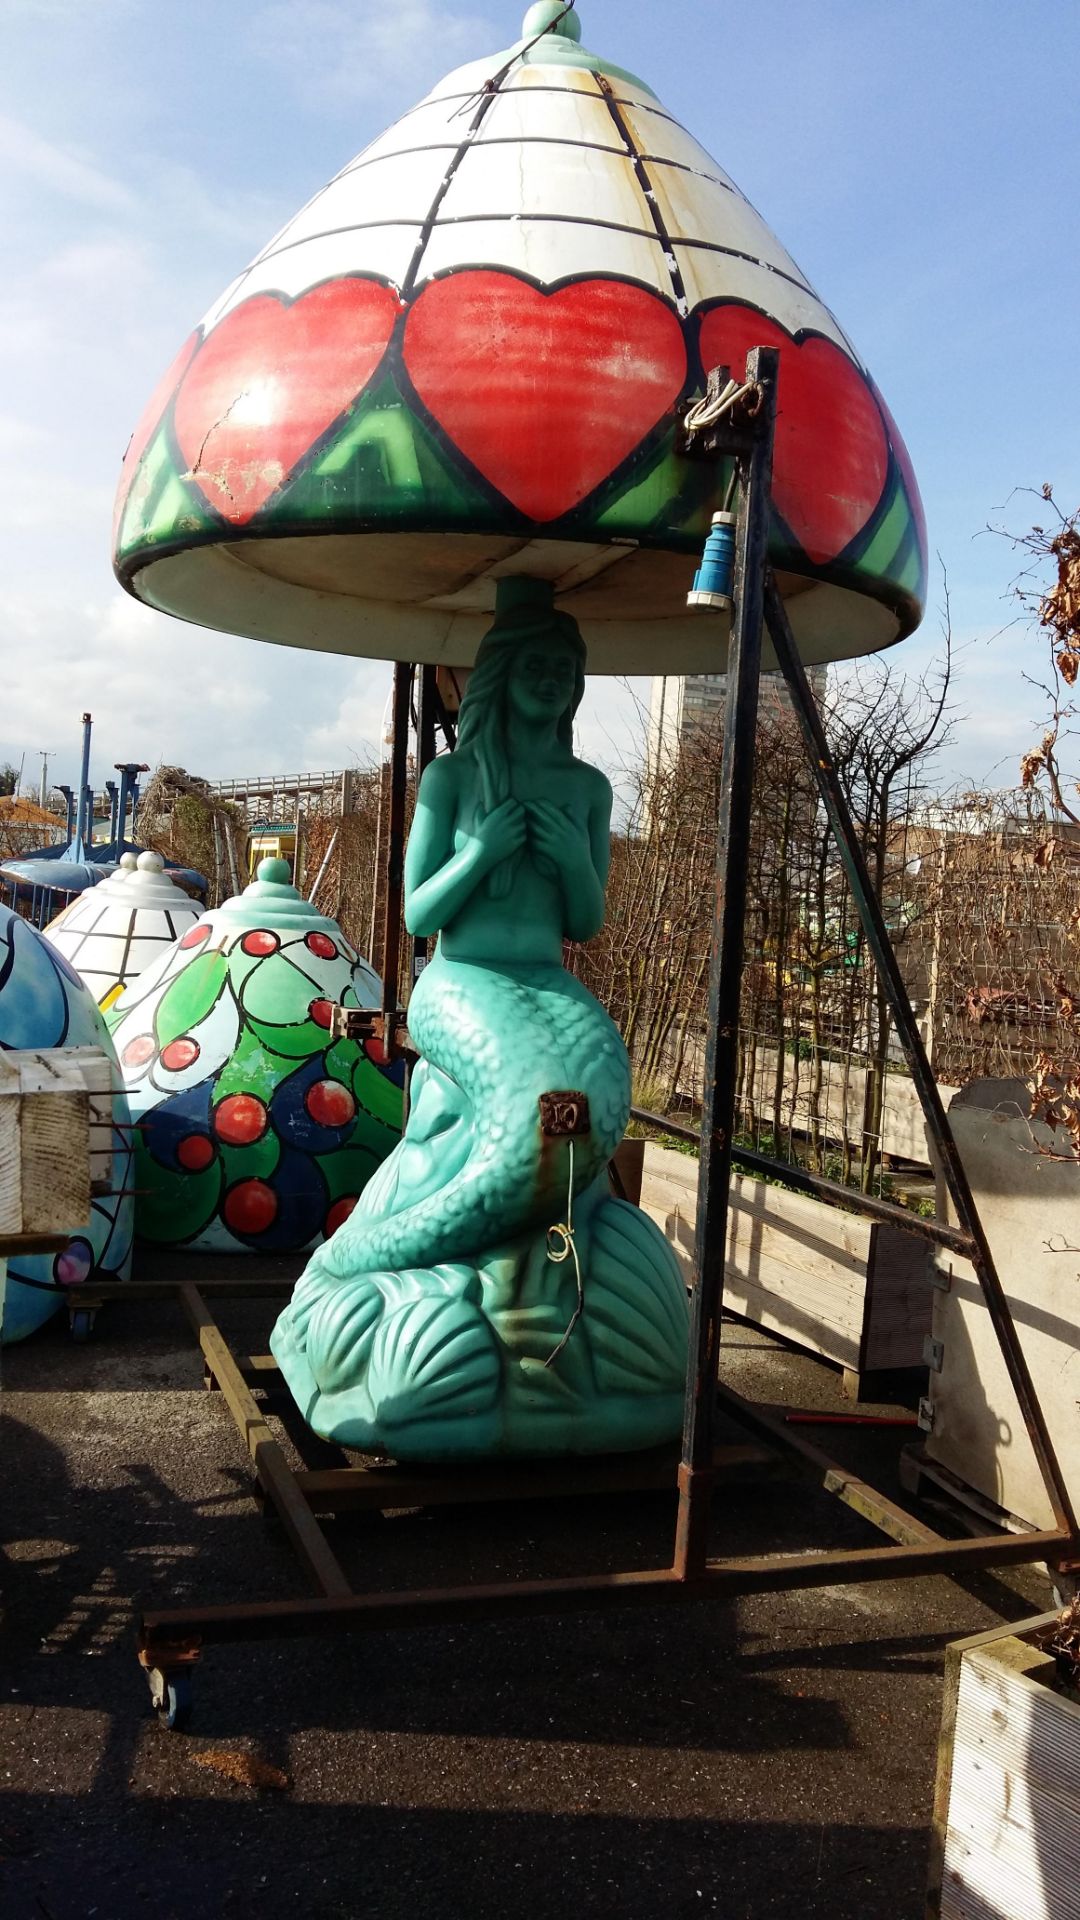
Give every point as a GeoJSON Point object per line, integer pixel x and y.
{"type": "Point", "coordinates": [468, 355]}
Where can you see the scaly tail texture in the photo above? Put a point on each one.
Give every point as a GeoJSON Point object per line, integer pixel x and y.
{"type": "Point", "coordinates": [435, 1323]}
{"type": "Point", "coordinates": [472, 1170]}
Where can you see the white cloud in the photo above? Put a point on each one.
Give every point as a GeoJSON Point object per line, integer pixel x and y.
{"type": "Point", "coordinates": [162, 691]}
{"type": "Point", "coordinates": [353, 731]}
{"type": "Point", "coordinates": [60, 170]}
{"type": "Point", "coordinates": [363, 49]}
{"type": "Point", "coordinates": [40, 11]}
{"type": "Point", "coordinates": [16, 436]}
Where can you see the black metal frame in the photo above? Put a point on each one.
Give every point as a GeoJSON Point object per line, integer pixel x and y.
{"type": "Point", "coordinates": [745, 434]}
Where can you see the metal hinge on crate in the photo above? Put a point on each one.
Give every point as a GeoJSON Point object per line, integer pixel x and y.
{"type": "Point", "coordinates": [926, 1415]}
{"type": "Point", "coordinates": [933, 1353]}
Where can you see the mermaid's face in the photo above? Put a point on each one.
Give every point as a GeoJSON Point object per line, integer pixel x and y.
{"type": "Point", "coordinates": [542, 679]}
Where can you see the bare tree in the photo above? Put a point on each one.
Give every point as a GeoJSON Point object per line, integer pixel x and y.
{"type": "Point", "coordinates": [885, 728]}
{"type": "Point", "coordinates": [1048, 589]}
{"type": "Point", "coordinates": [812, 1010]}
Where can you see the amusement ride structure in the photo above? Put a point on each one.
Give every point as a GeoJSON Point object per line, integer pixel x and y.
{"type": "Point", "coordinates": [531, 384]}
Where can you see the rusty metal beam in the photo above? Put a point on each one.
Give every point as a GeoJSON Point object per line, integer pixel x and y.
{"type": "Point", "coordinates": [832, 1192]}
{"type": "Point", "coordinates": [783, 1572]}
{"type": "Point", "coordinates": [335, 1489]}
{"type": "Point", "coordinates": [15, 1243]}
{"type": "Point", "coordinates": [743, 668]}
{"type": "Point", "coordinates": [523, 1599]}
{"type": "Point", "coordinates": [238, 1287]}
{"type": "Point", "coordinates": [392, 879]}
{"type": "Point", "coordinates": [275, 1475]}
{"type": "Point", "coordinates": [426, 694]}
{"type": "Point", "coordinates": [952, 1167]}
{"type": "Point", "coordinates": [827, 1473]}
{"type": "Point", "coordinates": [288, 1619]}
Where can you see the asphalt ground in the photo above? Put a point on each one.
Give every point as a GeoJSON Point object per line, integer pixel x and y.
{"type": "Point", "coordinates": [770, 1756]}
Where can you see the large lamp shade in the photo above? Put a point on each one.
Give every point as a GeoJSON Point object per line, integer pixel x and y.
{"type": "Point", "coordinates": [467, 357]}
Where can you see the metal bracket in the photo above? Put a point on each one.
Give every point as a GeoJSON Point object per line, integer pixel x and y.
{"type": "Point", "coordinates": [933, 1353]}
{"type": "Point", "coordinates": [564, 1115]}
{"type": "Point", "coordinates": [371, 1023]}
{"type": "Point", "coordinates": [926, 1415]}
{"type": "Point", "coordinates": [733, 433]}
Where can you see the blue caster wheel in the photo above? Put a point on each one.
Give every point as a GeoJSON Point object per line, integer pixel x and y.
{"type": "Point", "coordinates": [81, 1324]}
{"type": "Point", "coordinates": [171, 1696]}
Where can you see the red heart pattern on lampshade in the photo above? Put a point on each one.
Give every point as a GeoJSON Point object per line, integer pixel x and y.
{"type": "Point", "coordinates": [270, 379]}
{"type": "Point", "coordinates": [904, 462]}
{"type": "Point", "coordinates": [149, 421]}
{"type": "Point", "coordinates": [831, 452]}
{"type": "Point", "coordinates": [480, 333]}
{"type": "Point", "coordinates": [545, 393]}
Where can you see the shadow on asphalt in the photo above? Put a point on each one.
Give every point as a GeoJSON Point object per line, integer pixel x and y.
{"type": "Point", "coordinates": [751, 1760]}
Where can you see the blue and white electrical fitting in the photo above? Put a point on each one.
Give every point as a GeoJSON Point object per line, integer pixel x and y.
{"type": "Point", "coordinates": [715, 577]}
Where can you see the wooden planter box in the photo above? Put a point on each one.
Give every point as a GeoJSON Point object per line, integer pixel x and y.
{"type": "Point", "coordinates": [1006, 1828]}
{"type": "Point", "coordinates": [45, 1116]}
{"type": "Point", "coordinates": [853, 1291]}
{"type": "Point", "coordinates": [50, 1104]}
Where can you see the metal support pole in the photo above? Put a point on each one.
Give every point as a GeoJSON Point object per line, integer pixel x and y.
{"type": "Point", "coordinates": [324, 863]}
{"type": "Point", "coordinates": [129, 771]}
{"type": "Point", "coordinates": [374, 936]}
{"type": "Point", "coordinates": [425, 754]}
{"type": "Point", "coordinates": [445, 720]}
{"type": "Point", "coordinates": [84, 780]}
{"type": "Point", "coordinates": [114, 801]}
{"type": "Point", "coordinates": [725, 976]}
{"type": "Point", "coordinates": [126, 779]}
{"type": "Point", "coordinates": [908, 1034]}
{"type": "Point", "coordinates": [395, 839]}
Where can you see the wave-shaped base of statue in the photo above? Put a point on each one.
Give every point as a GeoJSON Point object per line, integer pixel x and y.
{"type": "Point", "coordinates": [436, 1323]}
{"type": "Point", "coordinates": [459, 1347]}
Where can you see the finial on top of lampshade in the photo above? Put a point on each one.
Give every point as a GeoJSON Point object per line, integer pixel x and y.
{"type": "Point", "coordinates": [551, 16]}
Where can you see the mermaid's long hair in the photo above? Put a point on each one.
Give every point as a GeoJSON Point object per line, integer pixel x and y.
{"type": "Point", "coordinates": [483, 723]}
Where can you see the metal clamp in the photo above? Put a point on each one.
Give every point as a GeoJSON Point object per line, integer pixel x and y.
{"type": "Point", "coordinates": [371, 1023]}
{"type": "Point", "coordinates": [725, 421]}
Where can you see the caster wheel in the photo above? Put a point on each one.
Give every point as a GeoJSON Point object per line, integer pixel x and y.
{"type": "Point", "coordinates": [81, 1324]}
{"type": "Point", "coordinates": [171, 1696]}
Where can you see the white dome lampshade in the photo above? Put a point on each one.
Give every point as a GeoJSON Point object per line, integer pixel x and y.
{"type": "Point", "coordinates": [467, 357]}
{"type": "Point", "coordinates": [110, 933]}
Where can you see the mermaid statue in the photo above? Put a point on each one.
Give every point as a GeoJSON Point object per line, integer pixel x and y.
{"type": "Point", "coordinates": [489, 1295]}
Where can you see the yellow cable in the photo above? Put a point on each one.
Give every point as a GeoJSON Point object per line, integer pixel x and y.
{"type": "Point", "coordinates": [563, 1232]}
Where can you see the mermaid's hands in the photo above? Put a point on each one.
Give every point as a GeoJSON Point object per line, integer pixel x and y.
{"type": "Point", "coordinates": [560, 838]}
{"type": "Point", "coordinates": [501, 833]}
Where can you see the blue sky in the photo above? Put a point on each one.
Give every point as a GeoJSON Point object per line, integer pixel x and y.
{"type": "Point", "coordinates": [918, 159]}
